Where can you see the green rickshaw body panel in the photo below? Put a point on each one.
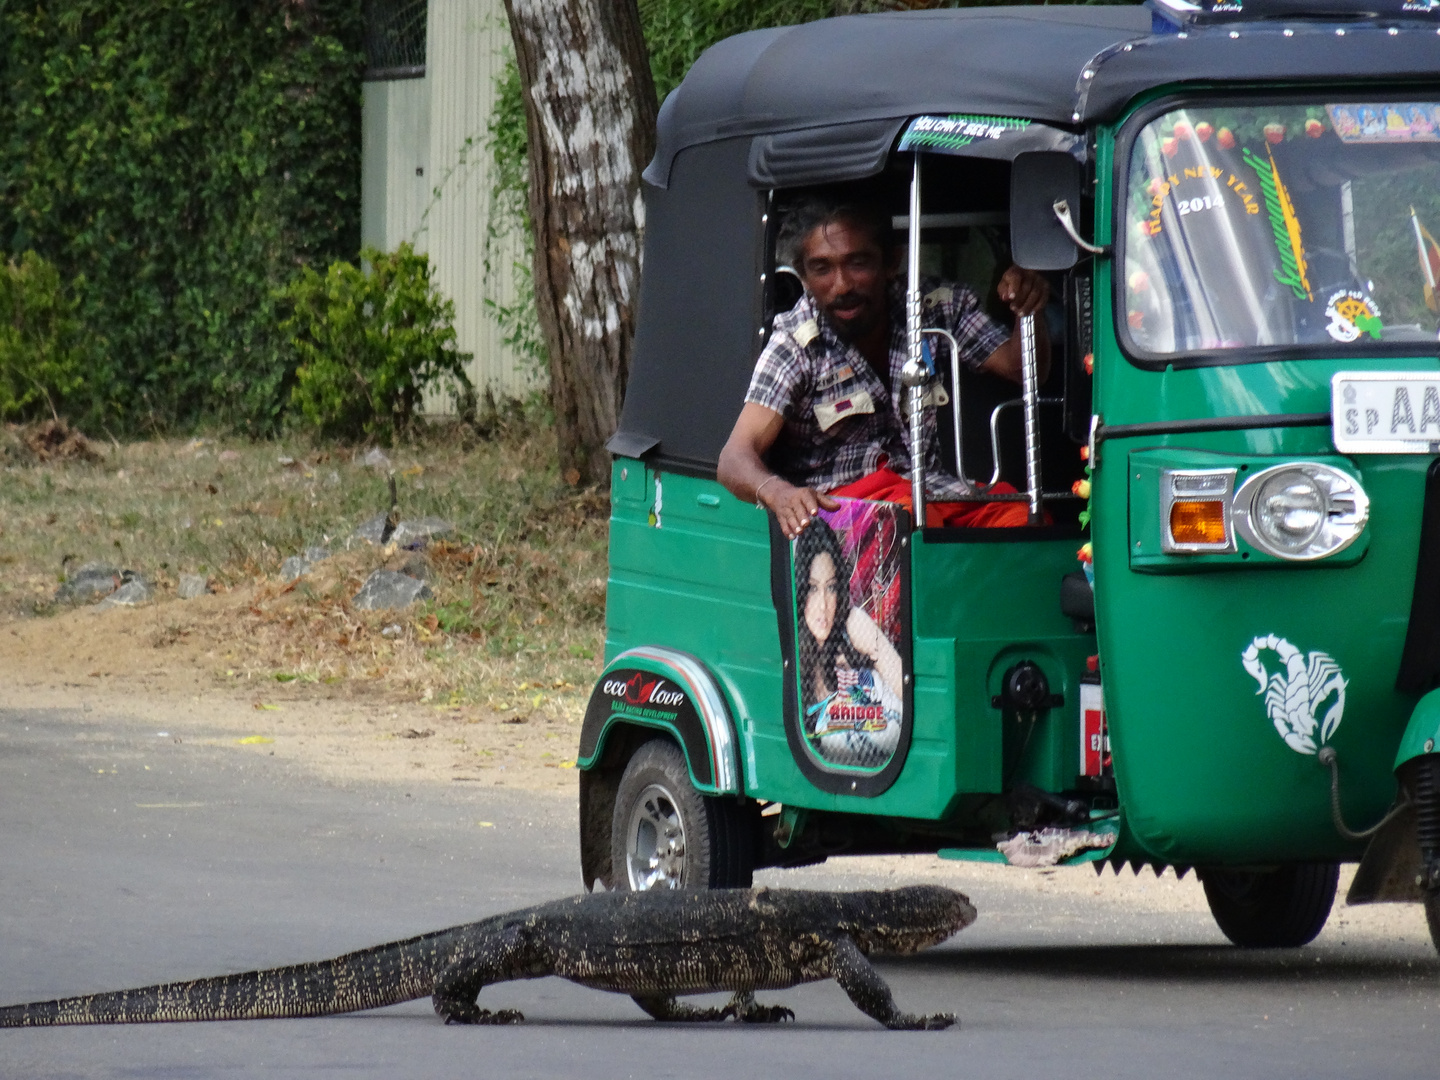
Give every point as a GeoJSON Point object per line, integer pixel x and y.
{"type": "Point", "coordinates": [1422, 733]}
{"type": "Point", "coordinates": [1203, 768]}
{"type": "Point", "coordinates": [690, 570]}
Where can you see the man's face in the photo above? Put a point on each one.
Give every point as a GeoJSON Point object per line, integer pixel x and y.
{"type": "Point", "coordinates": [843, 267]}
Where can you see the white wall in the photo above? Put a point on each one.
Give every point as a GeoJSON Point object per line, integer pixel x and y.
{"type": "Point", "coordinates": [438, 124]}
{"type": "Point", "coordinates": [395, 178]}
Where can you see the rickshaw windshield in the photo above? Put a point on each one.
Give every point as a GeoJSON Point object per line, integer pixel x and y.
{"type": "Point", "coordinates": [1296, 227]}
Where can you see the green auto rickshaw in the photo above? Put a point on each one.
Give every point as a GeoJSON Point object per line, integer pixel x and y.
{"type": "Point", "coordinates": [1216, 644]}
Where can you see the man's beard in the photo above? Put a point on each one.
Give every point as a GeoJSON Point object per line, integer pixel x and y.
{"type": "Point", "coordinates": [852, 330]}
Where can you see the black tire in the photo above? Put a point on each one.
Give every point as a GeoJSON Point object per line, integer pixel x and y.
{"type": "Point", "coordinates": [665, 834]}
{"type": "Point", "coordinates": [1271, 909]}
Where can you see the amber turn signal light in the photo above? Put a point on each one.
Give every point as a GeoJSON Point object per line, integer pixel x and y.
{"type": "Point", "coordinates": [1197, 522]}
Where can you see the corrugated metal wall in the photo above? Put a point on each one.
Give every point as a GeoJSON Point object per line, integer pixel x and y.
{"type": "Point", "coordinates": [438, 124]}
{"type": "Point", "coordinates": [396, 179]}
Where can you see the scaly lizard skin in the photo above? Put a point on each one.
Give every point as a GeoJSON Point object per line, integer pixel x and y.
{"type": "Point", "coordinates": [651, 945]}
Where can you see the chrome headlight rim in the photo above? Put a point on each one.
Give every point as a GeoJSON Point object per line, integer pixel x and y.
{"type": "Point", "coordinates": [1346, 510]}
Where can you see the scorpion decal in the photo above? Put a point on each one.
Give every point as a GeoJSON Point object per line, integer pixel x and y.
{"type": "Point", "coordinates": [1295, 695]}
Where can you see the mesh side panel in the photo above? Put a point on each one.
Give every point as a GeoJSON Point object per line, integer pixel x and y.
{"type": "Point", "coordinates": [395, 38]}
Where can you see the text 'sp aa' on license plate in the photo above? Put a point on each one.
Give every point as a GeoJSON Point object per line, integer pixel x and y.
{"type": "Point", "coordinates": [1385, 412]}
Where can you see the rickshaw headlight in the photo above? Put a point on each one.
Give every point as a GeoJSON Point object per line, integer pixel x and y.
{"type": "Point", "coordinates": [1301, 511]}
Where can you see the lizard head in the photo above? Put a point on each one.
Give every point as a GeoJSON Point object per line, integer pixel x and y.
{"type": "Point", "coordinates": [906, 920]}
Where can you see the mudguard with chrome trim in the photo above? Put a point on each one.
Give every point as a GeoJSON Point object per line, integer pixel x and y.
{"type": "Point", "coordinates": [652, 686]}
{"type": "Point", "coordinates": [1422, 733]}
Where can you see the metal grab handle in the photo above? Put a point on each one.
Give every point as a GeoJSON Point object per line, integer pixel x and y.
{"type": "Point", "coordinates": [995, 430]}
{"type": "Point", "coordinates": [1030, 395]}
{"type": "Point", "coordinates": [914, 374]}
{"type": "Point", "coordinates": [965, 484]}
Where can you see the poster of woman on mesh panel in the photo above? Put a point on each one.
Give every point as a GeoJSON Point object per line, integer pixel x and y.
{"type": "Point", "coordinates": [850, 636]}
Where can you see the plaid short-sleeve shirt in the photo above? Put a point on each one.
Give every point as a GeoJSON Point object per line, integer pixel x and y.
{"type": "Point", "coordinates": [840, 421]}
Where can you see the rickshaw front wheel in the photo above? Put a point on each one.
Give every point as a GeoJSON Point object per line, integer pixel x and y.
{"type": "Point", "coordinates": [666, 835]}
{"type": "Point", "coordinates": [1272, 909]}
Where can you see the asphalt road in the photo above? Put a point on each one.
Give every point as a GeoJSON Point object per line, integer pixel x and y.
{"type": "Point", "coordinates": [126, 859]}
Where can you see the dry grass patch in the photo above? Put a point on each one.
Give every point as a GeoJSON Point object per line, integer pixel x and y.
{"type": "Point", "coordinates": [515, 625]}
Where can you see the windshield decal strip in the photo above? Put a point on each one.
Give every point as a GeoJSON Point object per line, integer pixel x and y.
{"type": "Point", "coordinates": [1283, 222]}
{"type": "Point", "coordinates": [1219, 423]}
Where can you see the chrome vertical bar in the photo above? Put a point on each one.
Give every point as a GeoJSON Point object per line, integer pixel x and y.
{"type": "Point", "coordinates": [915, 364]}
{"type": "Point", "coordinates": [1030, 395]}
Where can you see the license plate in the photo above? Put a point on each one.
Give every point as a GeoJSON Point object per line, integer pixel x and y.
{"type": "Point", "coordinates": [1385, 412]}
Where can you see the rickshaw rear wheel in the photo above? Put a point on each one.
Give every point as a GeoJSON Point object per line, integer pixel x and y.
{"type": "Point", "coordinates": [666, 835]}
{"type": "Point", "coordinates": [1272, 909]}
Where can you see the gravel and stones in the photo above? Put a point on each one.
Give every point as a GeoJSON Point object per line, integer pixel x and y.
{"type": "Point", "coordinates": [134, 590]}
{"type": "Point", "coordinates": [373, 530]}
{"type": "Point", "coordinates": [192, 585]}
{"type": "Point", "coordinates": [387, 589]}
{"type": "Point", "coordinates": [93, 581]}
{"type": "Point", "coordinates": [420, 531]}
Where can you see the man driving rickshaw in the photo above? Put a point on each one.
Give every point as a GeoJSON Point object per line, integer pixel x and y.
{"type": "Point", "coordinates": [823, 401]}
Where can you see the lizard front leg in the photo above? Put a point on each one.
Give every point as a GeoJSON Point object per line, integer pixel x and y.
{"type": "Point", "coordinates": [498, 959]}
{"type": "Point", "coordinates": [871, 994]}
{"type": "Point", "coordinates": [742, 1006]}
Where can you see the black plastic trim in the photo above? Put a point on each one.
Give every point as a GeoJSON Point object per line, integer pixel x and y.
{"type": "Point", "coordinates": [1218, 423]}
{"type": "Point", "coordinates": [1420, 660]}
{"type": "Point", "coordinates": [1018, 534]}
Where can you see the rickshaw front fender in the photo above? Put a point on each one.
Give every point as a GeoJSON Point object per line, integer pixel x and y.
{"type": "Point", "coordinates": [1422, 733]}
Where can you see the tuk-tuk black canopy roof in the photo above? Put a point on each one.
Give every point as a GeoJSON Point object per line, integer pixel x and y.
{"type": "Point", "coordinates": [1017, 61]}
{"type": "Point", "coordinates": [1063, 65]}
{"type": "Point", "coordinates": [825, 101]}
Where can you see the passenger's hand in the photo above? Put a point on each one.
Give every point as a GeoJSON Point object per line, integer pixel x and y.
{"type": "Point", "coordinates": [1025, 291]}
{"type": "Point", "coordinates": [795, 507]}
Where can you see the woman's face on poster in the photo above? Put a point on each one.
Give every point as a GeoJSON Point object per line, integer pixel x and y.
{"type": "Point", "coordinates": [821, 599]}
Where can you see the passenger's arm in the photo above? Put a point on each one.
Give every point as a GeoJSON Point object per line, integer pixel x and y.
{"type": "Point", "coordinates": [1026, 292]}
{"type": "Point", "coordinates": [743, 471]}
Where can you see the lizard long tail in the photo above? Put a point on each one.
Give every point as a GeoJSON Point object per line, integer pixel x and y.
{"type": "Point", "coordinates": [368, 979]}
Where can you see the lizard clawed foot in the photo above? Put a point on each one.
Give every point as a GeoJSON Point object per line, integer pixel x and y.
{"type": "Point", "coordinates": [766, 1014]}
{"type": "Point", "coordinates": [913, 1022]}
{"type": "Point", "coordinates": [747, 1010]}
{"type": "Point", "coordinates": [474, 1015]}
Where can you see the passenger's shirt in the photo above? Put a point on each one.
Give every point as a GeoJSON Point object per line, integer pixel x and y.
{"type": "Point", "coordinates": [840, 421]}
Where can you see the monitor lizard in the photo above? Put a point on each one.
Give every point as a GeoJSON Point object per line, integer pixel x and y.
{"type": "Point", "coordinates": [651, 945]}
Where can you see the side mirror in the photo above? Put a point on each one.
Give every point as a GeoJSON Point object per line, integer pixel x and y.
{"type": "Point", "coordinates": [1039, 181]}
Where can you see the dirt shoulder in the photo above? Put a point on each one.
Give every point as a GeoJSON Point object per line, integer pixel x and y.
{"type": "Point", "coordinates": [206, 669]}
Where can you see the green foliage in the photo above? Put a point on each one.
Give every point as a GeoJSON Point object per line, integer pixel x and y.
{"type": "Point", "coordinates": [678, 31]}
{"type": "Point", "coordinates": [39, 340]}
{"type": "Point", "coordinates": [178, 162]}
{"type": "Point", "coordinates": [510, 219]}
{"type": "Point", "coordinates": [371, 344]}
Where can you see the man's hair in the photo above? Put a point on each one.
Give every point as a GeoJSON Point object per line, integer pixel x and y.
{"type": "Point", "coordinates": [818, 208]}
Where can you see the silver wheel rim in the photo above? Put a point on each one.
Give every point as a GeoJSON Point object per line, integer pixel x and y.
{"type": "Point", "coordinates": [655, 842]}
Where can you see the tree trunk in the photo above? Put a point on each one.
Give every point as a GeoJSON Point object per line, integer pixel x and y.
{"type": "Point", "coordinates": [590, 120]}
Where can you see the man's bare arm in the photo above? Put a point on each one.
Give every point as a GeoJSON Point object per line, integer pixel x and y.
{"type": "Point", "coordinates": [743, 471]}
{"type": "Point", "coordinates": [1026, 292]}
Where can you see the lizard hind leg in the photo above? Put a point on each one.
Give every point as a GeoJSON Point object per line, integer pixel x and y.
{"type": "Point", "coordinates": [458, 985]}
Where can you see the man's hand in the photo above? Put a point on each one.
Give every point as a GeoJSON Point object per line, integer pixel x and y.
{"type": "Point", "coordinates": [794, 507]}
{"type": "Point", "coordinates": [1025, 291]}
